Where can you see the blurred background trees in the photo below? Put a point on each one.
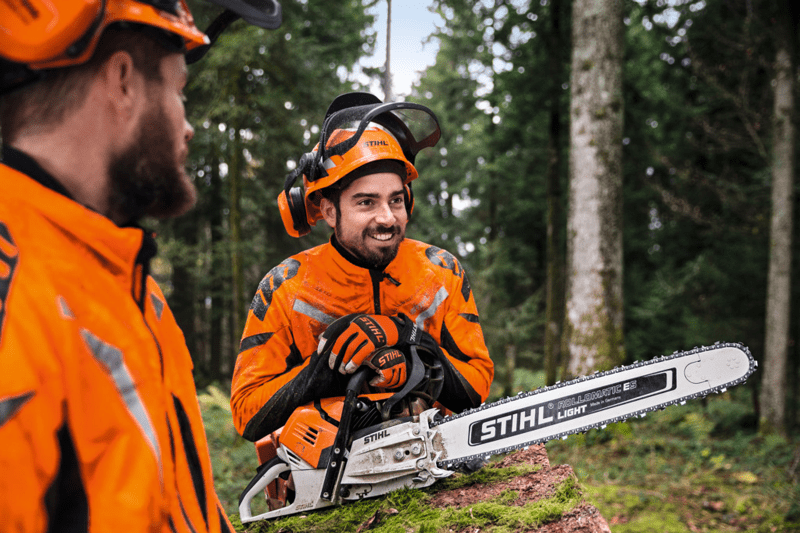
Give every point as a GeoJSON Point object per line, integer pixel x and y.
{"type": "Point", "coordinates": [700, 142]}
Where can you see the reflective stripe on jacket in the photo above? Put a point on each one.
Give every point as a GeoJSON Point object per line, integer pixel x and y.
{"type": "Point", "coordinates": [277, 369]}
{"type": "Point", "coordinates": [100, 428]}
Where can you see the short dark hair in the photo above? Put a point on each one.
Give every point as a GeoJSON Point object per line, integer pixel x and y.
{"type": "Point", "coordinates": [46, 102]}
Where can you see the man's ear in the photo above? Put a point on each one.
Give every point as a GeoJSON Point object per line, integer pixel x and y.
{"type": "Point", "coordinates": [123, 84]}
{"type": "Point", "coordinates": [328, 211]}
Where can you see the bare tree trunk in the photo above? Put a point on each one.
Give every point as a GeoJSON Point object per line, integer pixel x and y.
{"type": "Point", "coordinates": [218, 276]}
{"type": "Point", "coordinates": [237, 270]}
{"type": "Point", "coordinates": [554, 304]}
{"type": "Point", "coordinates": [511, 365]}
{"type": "Point", "coordinates": [184, 285]}
{"type": "Point", "coordinates": [593, 336]}
{"type": "Point", "coordinates": [776, 344]}
{"type": "Point", "coordinates": [386, 82]}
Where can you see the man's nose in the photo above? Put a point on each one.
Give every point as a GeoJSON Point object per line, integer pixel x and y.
{"type": "Point", "coordinates": [385, 214]}
{"type": "Point", "coordinates": [188, 131]}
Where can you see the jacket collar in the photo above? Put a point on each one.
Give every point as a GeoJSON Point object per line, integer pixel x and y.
{"type": "Point", "coordinates": [35, 190]}
{"type": "Point", "coordinates": [349, 257]}
{"type": "Point", "coordinates": [22, 162]}
{"type": "Point", "coordinates": [347, 261]}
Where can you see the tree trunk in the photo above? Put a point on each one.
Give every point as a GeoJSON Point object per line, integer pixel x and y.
{"type": "Point", "coordinates": [776, 344]}
{"type": "Point", "coordinates": [184, 284]}
{"type": "Point", "coordinates": [554, 304]}
{"type": "Point", "coordinates": [386, 81]}
{"type": "Point", "coordinates": [218, 276]}
{"type": "Point", "coordinates": [593, 337]}
{"type": "Point", "coordinates": [511, 365]}
{"type": "Point", "coordinates": [235, 221]}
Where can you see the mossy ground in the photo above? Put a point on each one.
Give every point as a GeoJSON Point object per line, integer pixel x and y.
{"type": "Point", "coordinates": [410, 510]}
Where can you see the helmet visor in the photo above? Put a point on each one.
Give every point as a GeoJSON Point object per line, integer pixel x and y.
{"type": "Point", "coordinates": [413, 125]}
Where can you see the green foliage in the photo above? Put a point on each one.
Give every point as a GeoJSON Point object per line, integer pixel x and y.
{"type": "Point", "coordinates": [233, 459]}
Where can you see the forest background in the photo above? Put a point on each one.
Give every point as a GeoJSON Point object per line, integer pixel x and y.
{"type": "Point", "coordinates": [699, 84]}
{"type": "Point", "coordinates": [699, 88]}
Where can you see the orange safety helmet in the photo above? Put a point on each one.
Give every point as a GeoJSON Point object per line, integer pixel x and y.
{"type": "Point", "coordinates": [43, 34]}
{"type": "Point", "coordinates": [36, 35]}
{"type": "Point", "coordinates": [358, 129]}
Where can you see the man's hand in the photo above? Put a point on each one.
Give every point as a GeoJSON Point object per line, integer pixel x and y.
{"type": "Point", "coordinates": [390, 364]}
{"type": "Point", "coordinates": [353, 338]}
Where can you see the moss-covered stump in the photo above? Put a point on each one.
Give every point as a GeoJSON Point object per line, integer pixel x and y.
{"type": "Point", "coordinates": [520, 492]}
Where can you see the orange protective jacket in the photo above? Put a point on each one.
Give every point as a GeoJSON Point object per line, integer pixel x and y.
{"type": "Point", "coordinates": [100, 428]}
{"type": "Point", "coordinates": [278, 369]}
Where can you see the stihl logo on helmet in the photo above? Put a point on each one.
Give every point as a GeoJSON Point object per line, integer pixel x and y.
{"type": "Point", "coordinates": [370, 144]}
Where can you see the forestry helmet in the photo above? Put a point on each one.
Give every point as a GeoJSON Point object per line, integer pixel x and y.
{"type": "Point", "coordinates": [358, 130]}
{"type": "Point", "coordinates": [37, 35]}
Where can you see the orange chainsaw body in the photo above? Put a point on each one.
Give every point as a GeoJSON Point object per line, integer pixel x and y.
{"type": "Point", "coordinates": [310, 431]}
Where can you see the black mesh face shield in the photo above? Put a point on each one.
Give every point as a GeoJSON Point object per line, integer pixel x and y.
{"type": "Point", "coordinates": [265, 14]}
{"type": "Point", "coordinates": [413, 125]}
{"type": "Point", "coordinates": [262, 13]}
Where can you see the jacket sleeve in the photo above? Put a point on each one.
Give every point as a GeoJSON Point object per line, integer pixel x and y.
{"type": "Point", "coordinates": [40, 478]}
{"type": "Point", "coordinates": [468, 369]}
{"type": "Point", "coordinates": [272, 377]}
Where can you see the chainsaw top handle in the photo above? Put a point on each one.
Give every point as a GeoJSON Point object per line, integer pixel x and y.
{"type": "Point", "coordinates": [416, 373]}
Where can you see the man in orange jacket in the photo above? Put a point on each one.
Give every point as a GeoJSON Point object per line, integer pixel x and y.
{"type": "Point", "coordinates": [323, 313]}
{"type": "Point", "coordinates": [100, 429]}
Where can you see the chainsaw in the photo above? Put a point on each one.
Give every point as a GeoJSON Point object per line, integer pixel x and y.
{"type": "Point", "coordinates": [337, 450]}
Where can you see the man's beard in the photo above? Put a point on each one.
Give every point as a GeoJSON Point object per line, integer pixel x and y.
{"type": "Point", "coordinates": [378, 257]}
{"type": "Point", "coordinates": [147, 179]}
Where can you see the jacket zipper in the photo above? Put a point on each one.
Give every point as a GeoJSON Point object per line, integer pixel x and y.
{"type": "Point", "coordinates": [377, 277]}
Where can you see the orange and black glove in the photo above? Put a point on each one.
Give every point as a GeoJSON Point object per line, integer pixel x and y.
{"type": "Point", "coordinates": [352, 339]}
{"type": "Point", "coordinates": [390, 364]}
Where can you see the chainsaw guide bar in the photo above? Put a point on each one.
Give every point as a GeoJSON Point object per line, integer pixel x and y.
{"type": "Point", "coordinates": [591, 402]}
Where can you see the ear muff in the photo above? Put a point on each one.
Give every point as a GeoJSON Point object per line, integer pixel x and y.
{"type": "Point", "coordinates": [409, 199]}
{"type": "Point", "coordinates": [291, 204]}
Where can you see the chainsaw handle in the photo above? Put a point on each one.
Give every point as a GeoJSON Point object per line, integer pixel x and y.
{"type": "Point", "coordinates": [416, 373]}
{"type": "Point", "coordinates": [341, 442]}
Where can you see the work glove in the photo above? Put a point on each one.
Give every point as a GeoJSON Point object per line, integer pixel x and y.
{"type": "Point", "coordinates": [352, 339]}
{"type": "Point", "coordinates": [390, 364]}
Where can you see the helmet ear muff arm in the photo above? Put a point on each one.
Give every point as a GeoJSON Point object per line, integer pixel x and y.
{"type": "Point", "coordinates": [291, 201]}
{"type": "Point", "coordinates": [220, 24]}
